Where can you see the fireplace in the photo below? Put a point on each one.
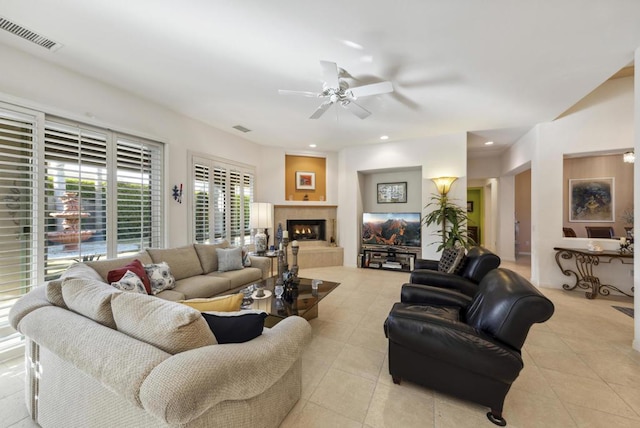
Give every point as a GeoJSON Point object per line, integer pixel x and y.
{"type": "Point", "coordinates": [307, 230]}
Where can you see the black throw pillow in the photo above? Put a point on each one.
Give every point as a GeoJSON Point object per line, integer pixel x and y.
{"type": "Point", "coordinates": [235, 327]}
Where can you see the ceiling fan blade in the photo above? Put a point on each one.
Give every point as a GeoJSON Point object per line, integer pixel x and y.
{"type": "Point", "coordinates": [320, 110]}
{"type": "Point", "coordinates": [303, 93]}
{"type": "Point", "coordinates": [330, 74]}
{"type": "Point", "coordinates": [372, 89]}
{"type": "Point", "coordinates": [357, 109]}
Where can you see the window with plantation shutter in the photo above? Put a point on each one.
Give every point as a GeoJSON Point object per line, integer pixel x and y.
{"type": "Point", "coordinates": [223, 192]}
{"type": "Point", "coordinates": [70, 192]}
{"type": "Point", "coordinates": [139, 188]}
{"type": "Point", "coordinates": [18, 255]}
{"type": "Point", "coordinates": [201, 206]}
{"type": "Point", "coordinates": [75, 187]}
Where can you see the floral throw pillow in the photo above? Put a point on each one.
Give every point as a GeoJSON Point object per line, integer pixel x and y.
{"type": "Point", "coordinates": [130, 282]}
{"type": "Point", "coordinates": [160, 277]}
{"type": "Point", "coordinates": [246, 260]}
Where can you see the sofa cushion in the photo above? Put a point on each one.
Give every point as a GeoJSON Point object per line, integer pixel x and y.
{"type": "Point", "coordinates": [237, 278]}
{"type": "Point", "coordinates": [160, 277]}
{"type": "Point", "coordinates": [90, 298]}
{"type": "Point", "coordinates": [130, 282]}
{"type": "Point", "coordinates": [202, 286]}
{"type": "Point", "coordinates": [76, 270]}
{"type": "Point", "coordinates": [136, 267]}
{"type": "Point", "coordinates": [54, 293]}
{"type": "Point", "coordinates": [229, 303]}
{"type": "Point", "coordinates": [229, 259]}
{"type": "Point", "coordinates": [207, 255]}
{"type": "Point", "coordinates": [104, 266]}
{"type": "Point", "coordinates": [246, 260]}
{"type": "Point", "coordinates": [169, 326]}
{"type": "Point", "coordinates": [171, 295]}
{"type": "Point", "coordinates": [235, 327]}
{"type": "Point", "coordinates": [184, 261]}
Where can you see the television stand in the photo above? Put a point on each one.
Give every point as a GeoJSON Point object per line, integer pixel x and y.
{"type": "Point", "coordinates": [389, 258]}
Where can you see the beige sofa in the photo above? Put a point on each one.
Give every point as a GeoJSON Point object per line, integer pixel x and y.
{"type": "Point", "coordinates": [100, 357]}
{"type": "Point", "coordinates": [195, 268]}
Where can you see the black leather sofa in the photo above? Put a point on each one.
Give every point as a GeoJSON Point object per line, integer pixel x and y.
{"type": "Point", "coordinates": [462, 346]}
{"type": "Point", "coordinates": [477, 263]}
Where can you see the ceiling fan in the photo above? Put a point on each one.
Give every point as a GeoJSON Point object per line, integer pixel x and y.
{"type": "Point", "coordinates": [336, 90]}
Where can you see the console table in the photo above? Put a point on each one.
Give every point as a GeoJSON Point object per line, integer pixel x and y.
{"type": "Point", "coordinates": [585, 260]}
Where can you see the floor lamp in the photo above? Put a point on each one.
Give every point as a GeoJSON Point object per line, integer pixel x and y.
{"type": "Point", "coordinates": [261, 218]}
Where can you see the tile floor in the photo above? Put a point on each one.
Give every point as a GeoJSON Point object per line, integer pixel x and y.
{"type": "Point", "coordinates": [580, 370]}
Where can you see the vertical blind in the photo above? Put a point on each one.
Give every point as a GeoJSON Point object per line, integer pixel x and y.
{"type": "Point", "coordinates": [222, 198]}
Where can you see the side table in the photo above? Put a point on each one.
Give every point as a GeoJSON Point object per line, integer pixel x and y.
{"type": "Point", "coordinates": [271, 254]}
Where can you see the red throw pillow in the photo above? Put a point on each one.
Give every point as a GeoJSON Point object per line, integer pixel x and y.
{"type": "Point", "coordinates": [135, 267]}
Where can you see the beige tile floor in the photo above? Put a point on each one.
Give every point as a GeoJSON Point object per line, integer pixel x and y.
{"type": "Point", "coordinates": [580, 370]}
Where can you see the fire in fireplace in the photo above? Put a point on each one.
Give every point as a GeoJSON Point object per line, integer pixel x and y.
{"type": "Point", "coordinates": [306, 230]}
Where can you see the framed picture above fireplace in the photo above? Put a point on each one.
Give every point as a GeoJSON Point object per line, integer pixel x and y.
{"type": "Point", "coordinates": [305, 180]}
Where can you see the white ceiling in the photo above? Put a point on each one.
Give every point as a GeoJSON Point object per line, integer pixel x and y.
{"type": "Point", "coordinates": [493, 68]}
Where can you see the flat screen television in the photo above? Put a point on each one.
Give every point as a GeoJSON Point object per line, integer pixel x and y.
{"type": "Point", "coordinates": [402, 229]}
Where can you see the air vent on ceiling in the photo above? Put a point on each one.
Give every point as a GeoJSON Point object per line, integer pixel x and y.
{"type": "Point", "coordinates": [29, 35]}
{"type": "Point", "coordinates": [241, 128]}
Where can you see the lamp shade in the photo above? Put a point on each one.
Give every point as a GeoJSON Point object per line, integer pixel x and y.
{"type": "Point", "coordinates": [261, 215]}
{"type": "Point", "coordinates": [629, 157]}
{"type": "Point", "coordinates": [443, 184]}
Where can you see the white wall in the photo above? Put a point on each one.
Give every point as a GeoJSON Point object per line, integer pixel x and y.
{"type": "Point", "coordinates": [32, 83]}
{"type": "Point", "coordinates": [601, 121]}
{"type": "Point", "coordinates": [436, 156]}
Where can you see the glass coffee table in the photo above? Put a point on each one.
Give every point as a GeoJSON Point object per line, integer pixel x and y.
{"type": "Point", "coordinates": [302, 301]}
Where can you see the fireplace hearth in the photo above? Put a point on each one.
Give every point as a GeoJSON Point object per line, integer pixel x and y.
{"type": "Point", "coordinates": [307, 230]}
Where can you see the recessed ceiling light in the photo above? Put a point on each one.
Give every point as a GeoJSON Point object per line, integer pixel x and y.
{"type": "Point", "coordinates": [313, 145]}
{"type": "Point", "coordinates": [384, 137]}
{"type": "Point", "coordinates": [488, 143]}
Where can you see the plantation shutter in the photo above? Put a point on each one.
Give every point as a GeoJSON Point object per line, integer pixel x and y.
{"type": "Point", "coordinates": [75, 180]}
{"type": "Point", "coordinates": [201, 206]}
{"type": "Point", "coordinates": [139, 201]}
{"type": "Point", "coordinates": [18, 267]}
{"type": "Point", "coordinates": [220, 203]}
{"type": "Point", "coordinates": [223, 192]}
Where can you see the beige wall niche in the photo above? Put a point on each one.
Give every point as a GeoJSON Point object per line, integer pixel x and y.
{"type": "Point", "coordinates": [596, 167]}
{"type": "Point", "coordinates": [317, 165]}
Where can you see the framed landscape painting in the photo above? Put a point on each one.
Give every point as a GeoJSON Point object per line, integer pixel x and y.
{"type": "Point", "coordinates": [392, 193]}
{"type": "Point", "coordinates": [305, 180]}
{"type": "Point", "coordinates": [591, 199]}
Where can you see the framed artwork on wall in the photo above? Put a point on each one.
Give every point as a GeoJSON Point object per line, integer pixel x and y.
{"type": "Point", "coordinates": [591, 200]}
{"type": "Point", "coordinates": [392, 193]}
{"type": "Point", "coordinates": [469, 206]}
{"type": "Point", "coordinates": [305, 180]}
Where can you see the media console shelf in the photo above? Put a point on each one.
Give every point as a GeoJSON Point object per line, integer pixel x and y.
{"type": "Point", "coordinates": [389, 258]}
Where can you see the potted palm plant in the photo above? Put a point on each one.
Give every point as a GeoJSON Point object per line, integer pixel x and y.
{"type": "Point", "coordinates": [452, 219]}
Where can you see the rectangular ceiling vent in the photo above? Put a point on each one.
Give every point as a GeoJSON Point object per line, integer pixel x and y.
{"type": "Point", "coordinates": [242, 128]}
{"type": "Point", "coordinates": [29, 35]}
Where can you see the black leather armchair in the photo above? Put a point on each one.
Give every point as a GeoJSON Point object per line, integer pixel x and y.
{"type": "Point", "coordinates": [462, 346]}
{"type": "Point", "coordinates": [477, 263]}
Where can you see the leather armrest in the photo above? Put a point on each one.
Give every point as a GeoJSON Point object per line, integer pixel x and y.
{"type": "Point", "coordinates": [426, 264]}
{"type": "Point", "coordinates": [425, 294]}
{"type": "Point", "coordinates": [436, 278]}
{"type": "Point", "coordinates": [456, 343]}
